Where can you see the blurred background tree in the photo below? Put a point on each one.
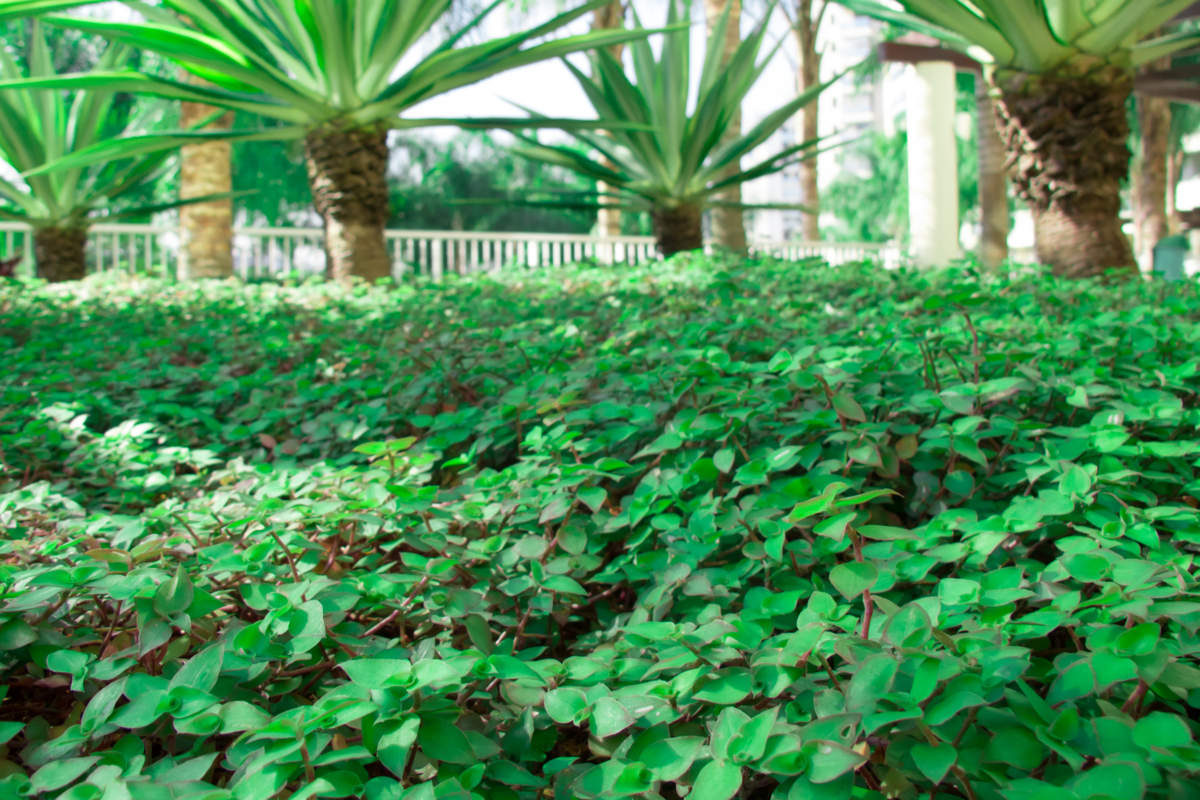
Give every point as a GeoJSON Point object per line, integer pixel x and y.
{"type": "Point", "coordinates": [426, 175]}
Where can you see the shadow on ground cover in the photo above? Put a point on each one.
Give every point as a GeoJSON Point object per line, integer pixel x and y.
{"type": "Point", "coordinates": [708, 528]}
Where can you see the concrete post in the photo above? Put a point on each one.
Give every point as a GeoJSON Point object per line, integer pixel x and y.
{"type": "Point", "coordinates": [932, 163]}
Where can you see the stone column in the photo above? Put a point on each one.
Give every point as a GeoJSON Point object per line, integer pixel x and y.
{"type": "Point", "coordinates": [932, 163]}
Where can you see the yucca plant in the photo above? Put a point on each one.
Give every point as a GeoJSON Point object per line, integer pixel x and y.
{"type": "Point", "coordinates": [1061, 72]}
{"type": "Point", "coordinates": [328, 67]}
{"type": "Point", "coordinates": [674, 166]}
{"type": "Point", "coordinates": [38, 126]}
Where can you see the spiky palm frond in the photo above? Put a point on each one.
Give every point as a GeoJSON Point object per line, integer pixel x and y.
{"type": "Point", "coordinates": [676, 157]}
{"type": "Point", "coordinates": [40, 126]}
{"type": "Point", "coordinates": [1039, 36]}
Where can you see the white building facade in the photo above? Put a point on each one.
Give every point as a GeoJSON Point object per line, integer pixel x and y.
{"type": "Point", "coordinates": [854, 106]}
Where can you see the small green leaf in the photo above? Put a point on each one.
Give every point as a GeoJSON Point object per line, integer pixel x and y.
{"type": "Point", "coordinates": [376, 673]}
{"type": "Point", "coordinates": [609, 718]}
{"type": "Point", "coordinates": [718, 780]}
{"type": "Point", "coordinates": [441, 740]}
{"type": "Point", "coordinates": [480, 633]}
{"type": "Point", "coordinates": [60, 773]}
{"type": "Point", "coordinates": [593, 497]}
{"type": "Point", "coordinates": [670, 758]}
{"type": "Point", "coordinates": [565, 705]}
{"type": "Point", "coordinates": [829, 760]}
{"type": "Point", "coordinates": [853, 578]}
{"type": "Point", "coordinates": [395, 745]}
{"type": "Point", "coordinates": [202, 670]}
{"type": "Point", "coordinates": [934, 762]}
{"type": "Point", "coordinates": [175, 595]}
{"type": "Point", "coordinates": [848, 407]}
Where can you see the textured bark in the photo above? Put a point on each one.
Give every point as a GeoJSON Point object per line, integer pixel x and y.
{"type": "Point", "coordinates": [607, 17]}
{"type": "Point", "coordinates": [806, 27]}
{"type": "Point", "coordinates": [1175, 157]}
{"type": "Point", "coordinates": [608, 220]}
{"type": "Point", "coordinates": [678, 229]}
{"type": "Point", "coordinates": [993, 184]}
{"type": "Point", "coordinates": [60, 253]}
{"type": "Point", "coordinates": [728, 225]}
{"type": "Point", "coordinates": [1080, 243]}
{"type": "Point", "coordinates": [347, 172]}
{"type": "Point", "coordinates": [1150, 185]}
{"type": "Point", "coordinates": [1066, 134]}
{"type": "Point", "coordinates": [206, 229]}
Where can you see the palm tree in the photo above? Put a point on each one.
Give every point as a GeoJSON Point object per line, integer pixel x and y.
{"type": "Point", "coordinates": [728, 225]}
{"type": "Point", "coordinates": [206, 229]}
{"type": "Point", "coordinates": [676, 164]}
{"type": "Point", "coordinates": [805, 18]}
{"type": "Point", "coordinates": [1061, 72]}
{"type": "Point", "coordinates": [612, 15]}
{"type": "Point", "coordinates": [311, 64]}
{"type": "Point", "coordinates": [41, 126]}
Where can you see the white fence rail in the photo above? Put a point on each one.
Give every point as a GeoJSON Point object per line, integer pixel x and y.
{"type": "Point", "coordinates": [272, 252]}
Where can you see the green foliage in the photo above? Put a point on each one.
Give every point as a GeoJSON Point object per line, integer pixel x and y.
{"type": "Point", "coordinates": [472, 166]}
{"type": "Point", "coordinates": [714, 529]}
{"type": "Point", "coordinates": [272, 174]}
{"type": "Point", "coordinates": [871, 207]}
{"type": "Point", "coordinates": [428, 177]}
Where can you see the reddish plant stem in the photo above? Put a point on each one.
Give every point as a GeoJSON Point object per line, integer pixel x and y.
{"type": "Point", "coordinates": [869, 608]}
{"type": "Point", "coordinates": [291, 561]}
{"type": "Point", "coordinates": [1131, 705]}
{"type": "Point", "coordinates": [379, 625]}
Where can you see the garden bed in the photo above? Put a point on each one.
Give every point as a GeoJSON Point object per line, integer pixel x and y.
{"type": "Point", "coordinates": [703, 529]}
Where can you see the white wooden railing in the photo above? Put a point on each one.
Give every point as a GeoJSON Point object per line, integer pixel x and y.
{"type": "Point", "coordinates": [267, 252]}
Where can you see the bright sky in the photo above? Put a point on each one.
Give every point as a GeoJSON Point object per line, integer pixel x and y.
{"type": "Point", "coordinates": [550, 88]}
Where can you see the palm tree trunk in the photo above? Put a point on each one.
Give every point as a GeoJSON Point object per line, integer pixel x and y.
{"type": "Point", "coordinates": [608, 220]}
{"type": "Point", "coordinates": [728, 225]}
{"type": "Point", "coordinates": [347, 172]}
{"type": "Point", "coordinates": [60, 253]}
{"type": "Point", "coordinates": [1066, 136]}
{"type": "Point", "coordinates": [678, 229]}
{"type": "Point", "coordinates": [1174, 174]}
{"type": "Point", "coordinates": [1150, 221]}
{"type": "Point", "coordinates": [206, 246]}
{"type": "Point", "coordinates": [993, 183]}
{"type": "Point", "coordinates": [806, 28]}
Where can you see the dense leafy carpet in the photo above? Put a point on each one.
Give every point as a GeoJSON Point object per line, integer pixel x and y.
{"type": "Point", "coordinates": [700, 529]}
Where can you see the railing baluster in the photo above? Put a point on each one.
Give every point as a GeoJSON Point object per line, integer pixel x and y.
{"type": "Point", "coordinates": [273, 251]}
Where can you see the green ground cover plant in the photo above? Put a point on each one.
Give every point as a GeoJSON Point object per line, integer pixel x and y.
{"type": "Point", "coordinates": [703, 529]}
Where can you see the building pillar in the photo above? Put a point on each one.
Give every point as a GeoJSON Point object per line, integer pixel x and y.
{"type": "Point", "coordinates": [932, 163]}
